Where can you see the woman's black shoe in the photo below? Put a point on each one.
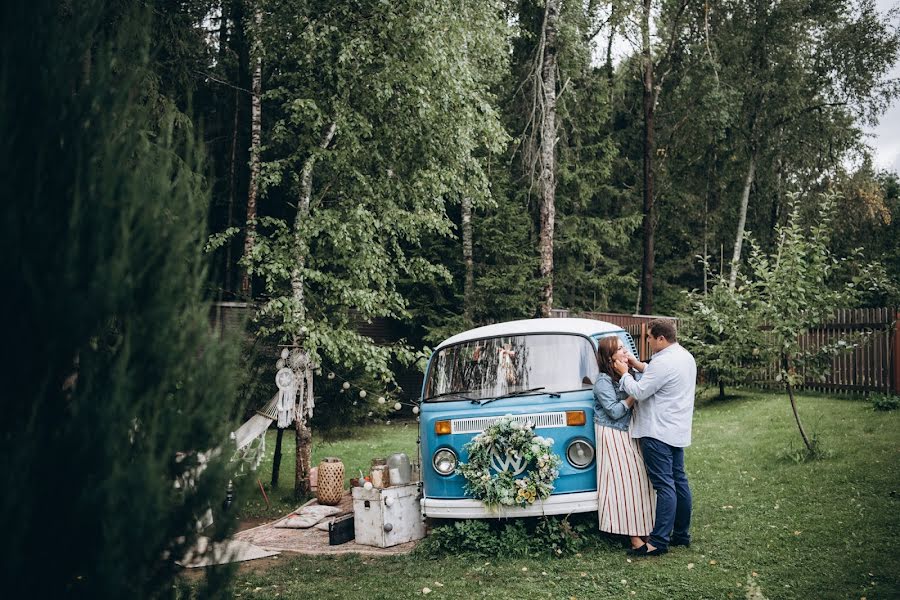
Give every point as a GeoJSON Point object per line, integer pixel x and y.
{"type": "Point", "coordinates": [644, 551]}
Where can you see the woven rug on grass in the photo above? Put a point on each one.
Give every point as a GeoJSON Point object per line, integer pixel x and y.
{"type": "Point", "coordinates": [312, 540]}
{"type": "Point", "coordinates": [204, 554]}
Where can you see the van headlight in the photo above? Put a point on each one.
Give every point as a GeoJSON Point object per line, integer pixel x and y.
{"type": "Point", "coordinates": [580, 453]}
{"type": "Point", "coordinates": [444, 461]}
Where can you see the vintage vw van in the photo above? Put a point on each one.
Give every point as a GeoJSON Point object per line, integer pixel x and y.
{"type": "Point", "coordinates": [537, 370]}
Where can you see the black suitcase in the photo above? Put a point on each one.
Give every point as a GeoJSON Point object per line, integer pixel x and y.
{"type": "Point", "coordinates": [340, 530]}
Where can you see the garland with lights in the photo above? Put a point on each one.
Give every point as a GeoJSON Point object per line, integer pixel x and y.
{"type": "Point", "coordinates": [501, 445]}
{"type": "Point", "coordinates": [382, 405]}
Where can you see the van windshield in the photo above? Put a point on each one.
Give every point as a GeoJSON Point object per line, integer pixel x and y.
{"type": "Point", "coordinates": [494, 367]}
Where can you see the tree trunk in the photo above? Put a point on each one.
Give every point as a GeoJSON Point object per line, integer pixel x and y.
{"type": "Point", "coordinates": [721, 390]}
{"type": "Point", "coordinates": [786, 362]}
{"type": "Point", "coordinates": [303, 370]}
{"type": "Point", "coordinates": [469, 286]}
{"type": "Point", "coordinates": [547, 180]}
{"type": "Point", "coordinates": [232, 192]}
{"type": "Point", "coordinates": [276, 460]}
{"type": "Point", "coordinates": [304, 459]}
{"type": "Point", "coordinates": [649, 221]}
{"type": "Point", "coordinates": [775, 213]}
{"type": "Point", "coordinates": [706, 239]}
{"type": "Point", "coordinates": [610, 71]}
{"type": "Point", "coordinates": [742, 219]}
{"type": "Point", "coordinates": [255, 143]}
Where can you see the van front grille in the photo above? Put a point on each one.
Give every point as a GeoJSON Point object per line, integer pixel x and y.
{"type": "Point", "coordinates": [479, 424]}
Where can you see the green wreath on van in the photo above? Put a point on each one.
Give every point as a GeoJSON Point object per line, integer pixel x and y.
{"type": "Point", "coordinates": [517, 445]}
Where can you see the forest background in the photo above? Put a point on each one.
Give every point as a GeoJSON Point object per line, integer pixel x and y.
{"type": "Point", "coordinates": [437, 164]}
{"type": "Point", "coordinates": [453, 164]}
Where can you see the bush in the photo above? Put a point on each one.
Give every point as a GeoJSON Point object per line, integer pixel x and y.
{"type": "Point", "coordinates": [538, 536]}
{"type": "Point", "coordinates": [885, 402]}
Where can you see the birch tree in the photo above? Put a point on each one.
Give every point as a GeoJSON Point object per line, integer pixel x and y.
{"type": "Point", "coordinates": [546, 88]}
{"type": "Point", "coordinates": [376, 123]}
{"type": "Point", "coordinates": [256, 56]}
{"type": "Point", "coordinates": [803, 72]}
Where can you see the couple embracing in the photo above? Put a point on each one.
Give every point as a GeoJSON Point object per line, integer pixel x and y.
{"type": "Point", "coordinates": [642, 425]}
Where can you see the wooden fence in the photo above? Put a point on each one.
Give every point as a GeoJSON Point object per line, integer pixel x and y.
{"type": "Point", "coordinates": [873, 366]}
{"type": "Point", "coordinates": [635, 325]}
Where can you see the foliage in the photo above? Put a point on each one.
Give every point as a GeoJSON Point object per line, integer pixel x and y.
{"type": "Point", "coordinates": [794, 291]}
{"type": "Point", "coordinates": [873, 200]}
{"type": "Point", "coordinates": [537, 536]}
{"type": "Point", "coordinates": [885, 402]}
{"type": "Point", "coordinates": [408, 144]}
{"type": "Point", "coordinates": [509, 438]}
{"type": "Point", "coordinates": [721, 329]}
{"type": "Point", "coordinates": [790, 83]}
{"type": "Point", "coordinates": [787, 292]}
{"type": "Point", "coordinates": [116, 383]}
{"type": "Point", "coordinates": [339, 409]}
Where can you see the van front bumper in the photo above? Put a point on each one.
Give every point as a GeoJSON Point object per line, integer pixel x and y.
{"type": "Point", "coordinates": [466, 508]}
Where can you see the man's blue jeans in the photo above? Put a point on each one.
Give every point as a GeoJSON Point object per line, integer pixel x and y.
{"type": "Point", "coordinates": [665, 467]}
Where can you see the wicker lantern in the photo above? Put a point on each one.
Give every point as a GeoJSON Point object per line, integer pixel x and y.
{"type": "Point", "coordinates": [331, 481]}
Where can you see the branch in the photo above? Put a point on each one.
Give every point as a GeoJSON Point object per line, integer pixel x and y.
{"type": "Point", "coordinates": [669, 51]}
{"type": "Point", "coordinates": [808, 109]}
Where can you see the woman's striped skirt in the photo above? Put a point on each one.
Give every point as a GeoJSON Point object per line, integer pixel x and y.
{"type": "Point", "coordinates": [626, 499]}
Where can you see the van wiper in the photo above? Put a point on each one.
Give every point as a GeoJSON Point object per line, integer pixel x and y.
{"type": "Point", "coordinates": [514, 394]}
{"type": "Point", "coordinates": [462, 396]}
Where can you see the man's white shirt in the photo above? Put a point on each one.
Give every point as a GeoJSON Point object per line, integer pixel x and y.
{"type": "Point", "coordinates": [665, 397]}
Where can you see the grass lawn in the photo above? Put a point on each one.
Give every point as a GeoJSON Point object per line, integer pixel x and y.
{"type": "Point", "coordinates": [764, 526]}
{"type": "Point", "coordinates": [357, 452]}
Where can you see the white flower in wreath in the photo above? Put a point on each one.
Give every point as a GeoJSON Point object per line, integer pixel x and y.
{"type": "Point", "coordinates": [516, 425]}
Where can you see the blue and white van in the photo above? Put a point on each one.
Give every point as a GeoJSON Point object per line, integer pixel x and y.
{"type": "Point", "coordinates": [537, 370]}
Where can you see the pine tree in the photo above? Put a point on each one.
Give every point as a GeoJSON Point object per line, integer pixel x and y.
{"type": "Point", "coordinates": [114, 371]}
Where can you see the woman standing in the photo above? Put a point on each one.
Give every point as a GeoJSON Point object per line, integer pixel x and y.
{"type": "Point", "coordinates": [626, 501]}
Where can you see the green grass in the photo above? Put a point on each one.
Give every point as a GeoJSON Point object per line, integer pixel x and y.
{"type": "Point", "coordinates": [764, 526]}
{"type": "Point", "coordinates": [356, 452]}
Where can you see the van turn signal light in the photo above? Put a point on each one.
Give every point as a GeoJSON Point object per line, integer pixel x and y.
{"type": "Point", "coordinates": [575, 417]}
{"type": "Point", "coordinates": [443, 427]}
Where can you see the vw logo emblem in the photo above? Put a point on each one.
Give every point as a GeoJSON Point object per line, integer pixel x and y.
{"type": "Point", "coordinates": [503, 461]}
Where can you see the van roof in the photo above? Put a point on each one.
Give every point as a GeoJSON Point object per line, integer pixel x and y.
{"type": "Point", "coordinates": [548, 325]}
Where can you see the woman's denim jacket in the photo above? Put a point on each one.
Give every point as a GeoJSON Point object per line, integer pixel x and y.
{"type": "Point", "coordinates": [609, 408]}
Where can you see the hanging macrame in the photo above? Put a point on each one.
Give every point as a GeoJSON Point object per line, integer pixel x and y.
{"type": "Point", "coordinates": [310, 403]}
{"type": "Point", "coordinates": [301, 366]}
{"type": "Point", "coordinates": [287, 397]}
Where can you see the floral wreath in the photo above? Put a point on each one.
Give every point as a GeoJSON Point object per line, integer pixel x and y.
{"type": "Point", "coordinates": [511, 439]}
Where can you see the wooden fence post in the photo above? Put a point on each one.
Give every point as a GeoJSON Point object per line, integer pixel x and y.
{"type": "Point", "coordinates": [643, 347]}
{"type": "Point", "coordinates": [895, 350]}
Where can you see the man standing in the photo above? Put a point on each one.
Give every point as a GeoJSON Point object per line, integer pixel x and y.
{"type": "Point", "coordinates": [662, 421]}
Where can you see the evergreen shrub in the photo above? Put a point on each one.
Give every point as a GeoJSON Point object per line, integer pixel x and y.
{"type": "Point", "coordinates": [115, 384]}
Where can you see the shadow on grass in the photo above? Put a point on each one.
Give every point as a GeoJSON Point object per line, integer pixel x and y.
{"type": "Point", "coordinates": [709, 396]}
